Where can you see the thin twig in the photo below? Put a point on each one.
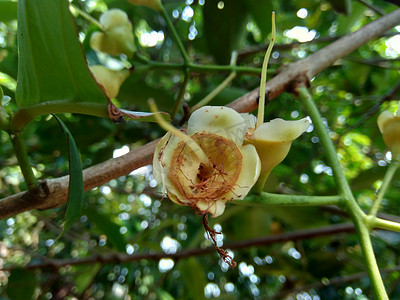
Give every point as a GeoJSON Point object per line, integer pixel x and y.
{"type": "Point", "coordinates": [123, 258]}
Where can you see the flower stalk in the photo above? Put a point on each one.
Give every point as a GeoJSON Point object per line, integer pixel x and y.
{"type": "Point", "coordinates": [23, 161]}
{"type": "Point", "coordinates": [355, 212]}
{"type": "Point", "coordinates": [385, 184]}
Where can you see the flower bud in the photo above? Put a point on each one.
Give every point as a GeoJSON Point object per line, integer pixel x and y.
{"type": "Point", "coordinates": [389, 125]}
{"type": "Point", "coordinates": [110, 80]}
{"type": "Point", "coordinates": [153, 4]}
{"type": "Point", "coordinates": [117, 36]}
{"type": "Point", "coordinates": [219, 169]}
{"type": "Point", "coordinates": [273, 140]}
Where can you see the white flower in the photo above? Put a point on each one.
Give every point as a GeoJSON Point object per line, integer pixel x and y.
{"type": "Point", "coordinates": [389, 125]}
{"type": "Point", "coordinates": [117, 35]}
{"type": "Point", "coordinates": [222, 170]}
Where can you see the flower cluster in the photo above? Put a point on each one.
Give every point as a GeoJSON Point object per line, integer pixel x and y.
{"type": "Point", "coordinates": [223, 158]}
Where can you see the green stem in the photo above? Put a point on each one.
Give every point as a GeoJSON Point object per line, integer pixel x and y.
{"type": "Point", "coordinates": [385, 184]}
{"type": "Point", "coordinates": [175, 35]}
{"type": "Point", "coordinates": [375, 222]}
{"type": "Point", "coordinates": [23, 161]}
{"type": "Point", "coordinates": [220, 87]}
{"type": "Point", "coordinates": [320, 128]}
{"type": "Point", "coordinates": [86, 16]}
{"type": "Point", "coordinates": [24, 115]}
{"type": "Point", "coordinates": [180, 95]}
{"type": "Point", "coordinates": [259, 185]}
{"type": "Point", "coordinates": [151, 64]}
{"type": "Point", "coordinates": [354, 210]}
{"type": "Point", "coordinates": [266, 199]}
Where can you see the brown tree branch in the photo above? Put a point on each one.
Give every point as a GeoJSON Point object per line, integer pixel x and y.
{"type": "Point", "coordinates": [123, 258]}
{"type": "Point", "coordinates": [53, 193]}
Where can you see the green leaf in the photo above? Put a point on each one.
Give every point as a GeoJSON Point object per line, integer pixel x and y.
{"type": "Point", "coordinates": [21, 284]}
{"type": "Point", "coordinates": [107, 227]}
{"type": "Point", "coordinates": [260, 10]}
{"type": "Point", "coordinates": [85, 276]}
{"type": "Point", "coordinates": [8, 10]}
{"type": "Point", "coordinates": [224, 27]}
{"type": "Point", "coordinates": [53, 76]}
{"type": "Point", "coordinates": [192, 273]}
{"type": "Point", "coordinates": [75, 190]}
{"type": "Point", "coordinates": [346, 23]}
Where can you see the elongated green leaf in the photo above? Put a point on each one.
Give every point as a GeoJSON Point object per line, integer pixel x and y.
{"type": "Point", "coordinates": [8, 10]}
{"type": "Point", "coordinates": [75, 191]}
{"type": "Point", "coordinates": [107, 227]}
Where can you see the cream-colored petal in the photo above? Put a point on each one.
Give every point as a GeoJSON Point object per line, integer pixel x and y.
{"type": "Point", "coordinates": [163, 155]}
{"type": "Point", "coordinates": [114, 17]}
{"type": "Point", "coordinates": [220, 120]}
{"type": "Point", "coordinates": [391, 134]}
{"type": "Point", "coordinates": [251, 120]}
{"type": "Point", "coordinates": [383, 118]}
{"type": "Point", "coordinates": [279, 130]}
{"type": "Point", "coordinates": [111, 80]}
{"type": "Point", "coordinates": [249, 174]}
{"type": "Point", "coordinates": [215, 208]}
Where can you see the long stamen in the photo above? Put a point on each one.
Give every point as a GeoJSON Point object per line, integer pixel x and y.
{"type": "Point", "coordinates": [179, 134]}
{"type": "Point", "coordinates": [261, 103]}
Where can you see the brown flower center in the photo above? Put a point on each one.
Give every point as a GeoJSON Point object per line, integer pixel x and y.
{"type": "Point", "coordinates": [209, 181]}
